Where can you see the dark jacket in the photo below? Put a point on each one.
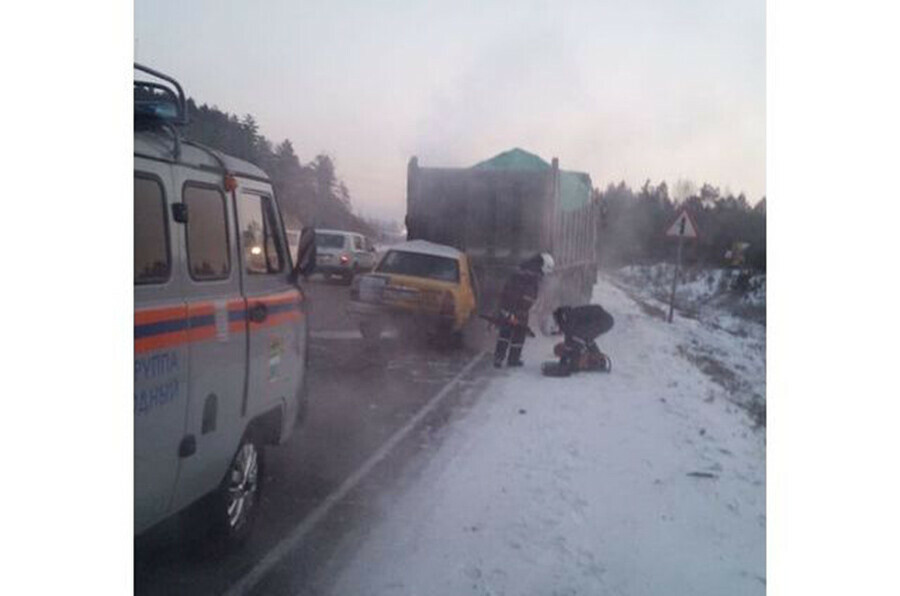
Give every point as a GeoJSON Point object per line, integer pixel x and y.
{"type": "Point", "coordinates": [520, 292]}
{"type": "Point", "coordinates": [584, 322]}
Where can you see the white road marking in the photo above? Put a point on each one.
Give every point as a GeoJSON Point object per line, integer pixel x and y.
{"type": "Point", "coordinates": [292, 540]}
{"type": "Point", "coordinates": [350, 334]}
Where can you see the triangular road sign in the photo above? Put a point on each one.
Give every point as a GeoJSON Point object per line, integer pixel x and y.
{"type": "Point", "coordinates": [683, 227]}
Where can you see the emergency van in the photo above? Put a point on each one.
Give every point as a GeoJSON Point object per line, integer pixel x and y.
{"type": "Point", "coordinates": [220, 322]}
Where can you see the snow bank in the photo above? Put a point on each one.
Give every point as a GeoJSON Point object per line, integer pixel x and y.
{"type": "Point", "coordinates": [645, 481]}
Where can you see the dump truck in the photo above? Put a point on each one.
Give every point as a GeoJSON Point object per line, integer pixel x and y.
{"type": "Point", "coordinates": [502, 211]}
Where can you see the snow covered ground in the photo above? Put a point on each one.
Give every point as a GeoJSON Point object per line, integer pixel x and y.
{"type": "Point", "coordinates": [701, 292]}
{"type": "Point", "coordinates": [649, 480]}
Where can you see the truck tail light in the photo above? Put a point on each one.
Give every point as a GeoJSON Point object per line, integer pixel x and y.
{"type": "Point", "coordinates": [344, 259]}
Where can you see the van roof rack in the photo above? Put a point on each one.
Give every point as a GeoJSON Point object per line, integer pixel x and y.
{"type": "Point", "coordinates": [157, 103]}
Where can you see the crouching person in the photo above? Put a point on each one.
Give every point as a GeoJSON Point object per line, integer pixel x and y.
{"type": "Point", "coordinates": [581, 326]}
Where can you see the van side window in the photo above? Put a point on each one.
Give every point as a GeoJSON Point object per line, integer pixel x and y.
{"type": "Point", "coordinates": [207, 233]}
{"type": "Point", "coordinates": [151, 240]}
{"type": "Point", "coordinates": [260, 237]}
{"type": "Point", "coordinates": [357, 243]}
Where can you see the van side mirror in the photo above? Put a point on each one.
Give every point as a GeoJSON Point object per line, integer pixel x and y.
{"type": "Point", "coordinates": [306, 254]}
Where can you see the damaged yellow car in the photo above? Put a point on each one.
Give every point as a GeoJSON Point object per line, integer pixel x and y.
{"type": "Point", "coordinates": [417, 285]}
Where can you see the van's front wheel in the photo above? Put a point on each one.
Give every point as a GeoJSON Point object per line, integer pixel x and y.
{"type": "Point", "coordinates": [238, 498]}
{"type": "Point", "coordinates": [222, 521]}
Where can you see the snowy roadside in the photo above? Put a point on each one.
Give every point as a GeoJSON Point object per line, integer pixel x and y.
{"type": "Point", "coordinates": [735, 358]}
{"type": "Point", "coordinates": [644, 481]}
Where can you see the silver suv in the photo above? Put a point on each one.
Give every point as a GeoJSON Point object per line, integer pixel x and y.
{"type": "Point", "coordinates": [343, 254]}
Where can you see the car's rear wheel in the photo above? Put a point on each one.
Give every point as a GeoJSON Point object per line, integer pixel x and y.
{"type": "Point", "coordinates": [446, 337]}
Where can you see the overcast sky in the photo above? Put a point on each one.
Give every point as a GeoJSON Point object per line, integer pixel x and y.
{"type": "Point", "coordinates": [626, 89]}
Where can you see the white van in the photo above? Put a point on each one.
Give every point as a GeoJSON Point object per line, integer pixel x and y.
{"type": "Point", "coordinates": [220, 323]}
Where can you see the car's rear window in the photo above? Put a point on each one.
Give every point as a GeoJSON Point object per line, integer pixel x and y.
{"type": "Point", "coordinates": [329, 240]}
{"type": "Point", "coordinates": [419, 265]}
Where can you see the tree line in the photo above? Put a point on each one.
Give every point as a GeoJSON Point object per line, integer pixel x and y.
{"type": "Point", "coordinates": [633, 224]}
{"type": "Point", "coordinates": [308, 194]}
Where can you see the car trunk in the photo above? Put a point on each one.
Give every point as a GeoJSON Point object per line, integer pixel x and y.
{"type": "Point", "coordinates": [405, 292]}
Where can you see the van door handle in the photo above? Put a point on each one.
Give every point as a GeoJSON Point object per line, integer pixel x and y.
{"type": "Point", "coordinates": [187, 447]}
{"type": "Point", "coordinates": [259, 312]}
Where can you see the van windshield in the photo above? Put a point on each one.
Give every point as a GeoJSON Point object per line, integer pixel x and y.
{"type": "Point", "coordinates": [329, 241]}
{"type": "Point", "coordinates": [419, 265]}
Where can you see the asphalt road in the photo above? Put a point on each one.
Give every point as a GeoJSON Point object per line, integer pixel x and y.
{"type": "Point", "coordinates": [315, 501]}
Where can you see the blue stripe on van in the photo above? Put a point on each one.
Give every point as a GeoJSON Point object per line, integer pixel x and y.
{"type": "Point", "coordinates": [198, 321]}
{"type": "Point", "coordinates": [172, 325]}
{"type": "Point", "coordinates": [150, 329]}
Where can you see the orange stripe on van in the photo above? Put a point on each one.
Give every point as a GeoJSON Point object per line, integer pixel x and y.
{"type": "Point", "coordinates": [158, 342]}
{"type": "Point", "coordinates": [156, 315]}
{"type": "Point", "coordinates": [201, 333]}
{"type": "Point", "coordinates": [201, 308]}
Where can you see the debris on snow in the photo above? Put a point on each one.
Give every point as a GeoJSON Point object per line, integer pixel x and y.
{"type": "Point", "coordinates": [702, 475]}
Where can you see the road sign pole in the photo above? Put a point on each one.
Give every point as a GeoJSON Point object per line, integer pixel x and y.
{"type": "Point", "coordinates": [683, 227]}
{"type": "Point", "coordinates": [675, 278]}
